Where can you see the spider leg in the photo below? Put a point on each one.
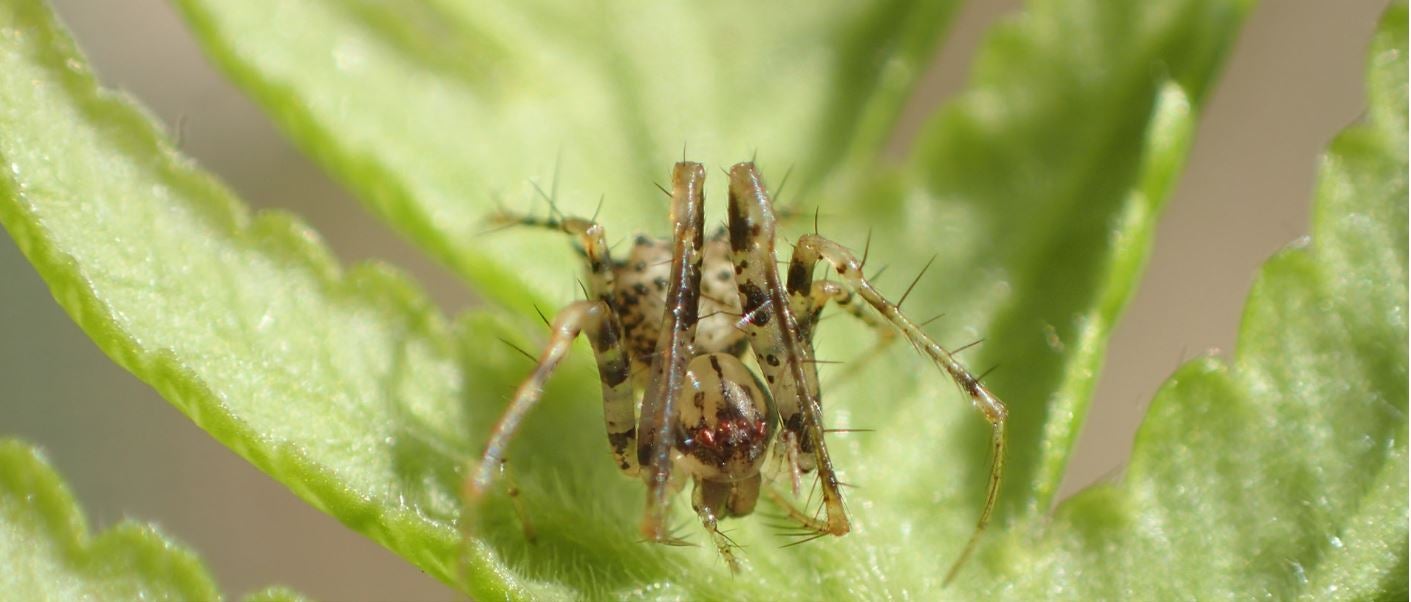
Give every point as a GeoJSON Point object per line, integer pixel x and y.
{"type": "Point", "coordinates": [656, 426]}
{"type": "Point", "coordinates": [591, 242]}
{"type": "Point", "coordinates": [599, 322]}
{"type": "Point", "coordinates": [807, 252]}
{"type": "Point", "coordinates": [794, 513]}
{"type": "Point", "coordinates": [787, 214]}
{"type": "Point", "coordinates": [712, 502]}
{"type": "Point", "coordinates": [788, 454]}
{"type": "Point", "coordinates": [512, 490]}
{"type": "Point", "coordinates": [779, 343]}
{"type": "Point", "coordinates": [808, 302]}
{"type": "Point", "coordinates": [619, 411]}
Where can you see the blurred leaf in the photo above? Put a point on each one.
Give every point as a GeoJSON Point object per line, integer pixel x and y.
{"type": "Point", "coordinates": [433, 110]}
{"type": "Point", "coordinates": [1284, 475]}
{"type": "Point", "coordinates": [345, 386]}
{"type": "Point", "coordinates": [48, 553]}
{"type": "Point", "coordinates": [1039, 189]}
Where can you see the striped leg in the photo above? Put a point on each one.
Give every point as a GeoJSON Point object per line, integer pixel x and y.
{"type": "Point", "coordinates": [597, 320]}
{"type": "Point", "coordinates": [808, 304]}
{"type": "Point", "coordinates": [807, 300]}
{"type": "Point", "coordinates": [592, 243]}
{"type": "Point", "coordinates": [713, 501]}
{"type": "Point", "coordinates": [778, 341]}
{"type": "Point", "coordinates": [619, 412]}
{"type": "Point", "coordinates": [812, 248]}
{"type": "Point", "coordinates": [657, 424]}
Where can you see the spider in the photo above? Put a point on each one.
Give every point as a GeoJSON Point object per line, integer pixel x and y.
{"type": "Point", "coordinates": [680, 315]}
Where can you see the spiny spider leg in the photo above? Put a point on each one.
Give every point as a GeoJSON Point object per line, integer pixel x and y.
{"type": "Point", "coordinates": [592, 243]}
{"type": "Point", "coordinates": [808, 302]}
{"type": "Point", "coordinates": [807, 307]}
{"type": "Point", "coordinates": [807, 252]}
{"type": "Point", "coordinates": [596, 319]}
{"type": "Point", "coordinates": [794, 513]}
{"type": "Point", "coordinates": [657, 423]}
{"type": "Point", "coordinates": [709, 496]}
{"type": "Point", "coordinates": [512, 490]}
{"type": "Point", "coordinates": [775, 336]}
{"type": "Point", "coordinates": [619, 412]}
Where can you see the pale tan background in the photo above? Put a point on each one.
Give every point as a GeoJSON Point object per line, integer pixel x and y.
{"type": "Point", "coordinates": [1294, 80]}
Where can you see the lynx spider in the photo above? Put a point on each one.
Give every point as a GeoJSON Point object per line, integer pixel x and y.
{"type": "Point", "coordinates": [679, 315]}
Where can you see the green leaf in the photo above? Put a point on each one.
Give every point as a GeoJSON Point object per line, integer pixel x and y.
{"type": "Point", "coordinates": [433, 110]}
{"type": "Point", "coordinates": [350, 390]}
{"type": "Point", "coordinates": [345, 386]}
{"type": "Point", "coordinates": [48, 553]}
{"type": "Point", "coordinates": [1285, 474]}
{"type": "Point", "coordinates": [1039, 188]}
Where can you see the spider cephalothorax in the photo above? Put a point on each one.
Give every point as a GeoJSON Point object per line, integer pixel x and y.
{"type": "Point", "coordinates": [681, 314]}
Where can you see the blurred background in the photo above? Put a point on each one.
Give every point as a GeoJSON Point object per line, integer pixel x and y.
{"type": "Point", "coordinates": [1294, 80]}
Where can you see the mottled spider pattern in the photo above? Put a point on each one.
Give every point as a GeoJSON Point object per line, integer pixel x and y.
{"type": "Point", "coordinates": [681, 315]}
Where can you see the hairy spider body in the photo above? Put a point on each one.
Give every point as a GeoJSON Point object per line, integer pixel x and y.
{"type": "Point", "coordinates": [681, 315]}
{"type": "Point", "coordinates": [639, 297]}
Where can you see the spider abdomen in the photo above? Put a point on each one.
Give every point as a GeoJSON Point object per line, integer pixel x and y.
{"type": "Point", "coordinates": [726, 420]}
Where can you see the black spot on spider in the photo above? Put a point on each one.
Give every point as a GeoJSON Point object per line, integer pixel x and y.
{"type": "Point", "coordinates": [724, 275]}
{"type": "Point", "coordinates": [690, 314]}
{"type": "Point", "coordinates": [753, 298]}
{"type": "Point", "coordinates": [640, 288]}
{"type": "Point", "coordinates": [659, 282]}
{"type": "Point", "coordinates": [642, 240]}
{"type": "Point", "coordinates": [772, 359]}
{"type": "Point", "coordinates": [607, 335]}
{"type": "Point", "coordinates": [640, 266]}
{"type": "Point", "coordinates": [699, 400]}
{"type": "Point", "coordinates": [794, 424]}
{"type": "Point", "coordinates": [620, 441]}
{"type": "Point", "coordinates": [798, 277]}
{"type": "Point", "coordinates": [969, 384]}
{"type": "Point", "coordinates": [614, 372]}
{"type": "Point", "coordinates": [710, 457]}
{"type": "Point", "coordinates": [738, 224]}
{"type": "Point", "coordinates": [644, 455]}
